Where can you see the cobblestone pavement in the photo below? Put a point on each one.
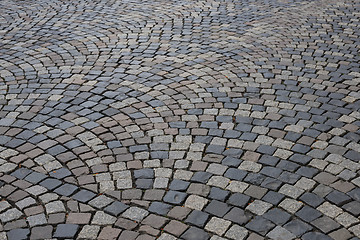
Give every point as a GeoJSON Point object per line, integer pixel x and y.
{"type": "Point", "coordinates": [193, 120]}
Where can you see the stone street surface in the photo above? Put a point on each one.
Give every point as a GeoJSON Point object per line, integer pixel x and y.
{"type": "Point", "coordinates": [180, 119]}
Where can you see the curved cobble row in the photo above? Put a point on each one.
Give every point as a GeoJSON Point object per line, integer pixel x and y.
{"type": "Point", "coordinates": [179, 119]}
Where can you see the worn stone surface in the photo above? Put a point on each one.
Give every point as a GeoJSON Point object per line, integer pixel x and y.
{"type": "Point", "coordinates": [179, 119]}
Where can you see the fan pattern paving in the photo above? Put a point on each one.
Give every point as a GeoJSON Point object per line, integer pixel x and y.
{"type": "Point", "coordinates": [216, 119]}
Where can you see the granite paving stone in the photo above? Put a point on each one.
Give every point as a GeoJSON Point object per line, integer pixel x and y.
{"type": "Point", "coordinates": [20, 233]}
{"type": "Point", "coordinates": [218, 194]}
{"type": "Point", "coordinates": [340, 234]}
{"type": "Point", "coordinates": [258, 207]}
{"type": "Point", "coordinates": [297, 227]}
{"type": "Point", "coordinates": [20, 223]}
{"type": "Point", "coordinates": [179, 212]}
{"type": "Point", "coordinates": [78, 218]}
{"type": "Point", "coordinates": [116, 208]}
{"type": "Point", "coordinates": [239, 200]}
{"type": "Point", "coordinates": [175, 228]}
{"type": "Point", "coordinates": [338, 198]}
{"type": "Point", "coordinates": [273, 197]}
{"type": "Point", "coordinates": [277, 216]}
{"type": "Point", "coordinates": [308, 214]}
{"type": "Point", "coordinates": [159, 208]}
{"type": "Point", "coordinates": [174, 197]}
{"type": "Point", "coordinates": [196, 202]}
{"type": "Point", "coordinates": [128, 235]}
{"type": "Point", "coordinates": [260, 225]}
{"type": "Point", "coordinates": [353, 207]}
{"type": "Point", "coordinates": [195, 233]}
{"type": "Point", "coordinates": [346, 219]}
{"type": "Point", "coordinates": [179, 120]}
{"type": "Point", "coordinates": [56, 218]}
{"type": "Point", "coordinates": [109, 233]}
{"type": "Point", "coordinates": [36, 190]}
{"type": "Point", "coordinates": [280, 233]}
{"type": "Point", "coordinates": [101, 218]}
{"type": "Point", "coordinates": [66, 231]}
{"type": "Point", "coordinates": [26, 202]}
{"type": "Point", "coordinates": [238, 215]}
{"type": "Point", "coordinates": [237, 232]}
{"type": "Point", "coordinates": [44, 232]}
{"type": "Point", "coordinates": [66, 189]}
{"type": "Point", "coordinates": [54, 207]}
{"type": "Point", "coordinates": [311, 199]}
{"type": "Point", "coordinates": [178, 185]}
{"type": "Point", "coordinates": [217, 225]}
{"type": "Point", "coordinates": [60, 173]}
{"type": "Point", "coordinates": [89, 232]}
{"type": "Point", "coordinates": [325, 224]}
{"type": "Point", "coordinates": [135, 213]}
{"type": "Point", "coordinates": [100, 202]}
{"type": "Point", "coordinates": [197, 218]}
{"type": "Point", "coordinates": [35, 220]}
{"type": "Point", "coordinates": [50, 183]}
{"type": "Point", "coordinates": [21, 173]}
{"type": "Point", "coordinates": [83, 196]}
{"type": "Point", "coordinates": [217, 208]}
{"type": "Point", "coordinates": [315, 235]}
{"type": "Point", "coordinates": [10, 215]}
{"type": "Point", "coordinates": [126, 224]}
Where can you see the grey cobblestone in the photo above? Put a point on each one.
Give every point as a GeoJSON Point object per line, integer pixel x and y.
{"type": "Point", "coordinates": [192, 120]}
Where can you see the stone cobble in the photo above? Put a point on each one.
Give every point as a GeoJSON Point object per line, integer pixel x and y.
{"type": "Point", "coordinates": [179, 119]}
